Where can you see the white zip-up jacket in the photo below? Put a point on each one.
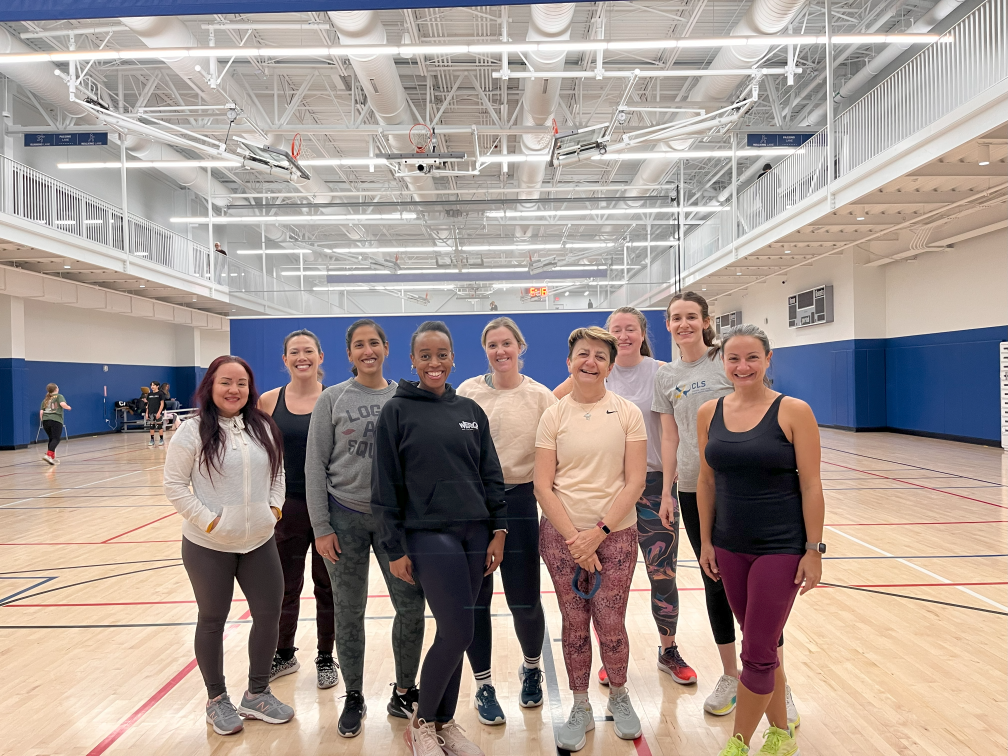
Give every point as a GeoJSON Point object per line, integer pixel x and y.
{"type": "Point", "coordinates": [240, 492]}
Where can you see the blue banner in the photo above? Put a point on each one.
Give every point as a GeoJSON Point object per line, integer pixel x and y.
{"type": "Point", "coordinates": [777, 140]}
{"type": "Point", "coordinates": [72, 139]}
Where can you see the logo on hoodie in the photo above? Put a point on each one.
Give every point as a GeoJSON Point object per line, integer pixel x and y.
{"type": "Point", "coordinates": [468, 426]}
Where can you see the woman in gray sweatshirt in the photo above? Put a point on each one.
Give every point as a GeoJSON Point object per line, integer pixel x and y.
{"type": "Point", "coordinates": [338, 490]}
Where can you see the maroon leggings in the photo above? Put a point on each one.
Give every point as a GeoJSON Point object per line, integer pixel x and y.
{"type": "Point", "coordinates": [607, 608]}
{"type": "Point", "coordinates": [761, 591]}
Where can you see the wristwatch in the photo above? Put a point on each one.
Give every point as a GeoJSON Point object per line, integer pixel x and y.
{"type": "Point", "coordinates": [820, 547]}
{"type": "Point", "coordinates": [603, 527]}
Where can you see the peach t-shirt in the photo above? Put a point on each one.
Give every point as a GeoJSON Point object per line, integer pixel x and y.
{"type": "Point", "coordinates": [590, 454]}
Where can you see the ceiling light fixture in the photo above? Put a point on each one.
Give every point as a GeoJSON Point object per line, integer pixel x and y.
{"type": "Point", "coordinates": [258, 220]}
{"type": "Point", "coordinates": [983, 154]}
{"type": "Point", "coordinates": [151, 164]}
{"type": "Point", "coordinates": [601, 211]}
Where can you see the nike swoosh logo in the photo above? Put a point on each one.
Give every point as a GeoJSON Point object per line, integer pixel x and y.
{"type": "Point", "coordinates": [611, 412]}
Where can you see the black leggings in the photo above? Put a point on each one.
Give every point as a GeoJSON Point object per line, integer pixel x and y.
{"type": "Point", "coordinates": [520, 575]}
{"type": "Point", "coordinates": [213, 574]}
{"type": "Point", "coordinates": [719, 612]}
{"type": "Point", "coordinates": [449, 565]}
{"type": "Point", "coordinates": [54, 430]}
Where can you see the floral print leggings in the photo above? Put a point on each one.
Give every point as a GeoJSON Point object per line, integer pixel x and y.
{"type": "Point", "coordinates": [660, 547]}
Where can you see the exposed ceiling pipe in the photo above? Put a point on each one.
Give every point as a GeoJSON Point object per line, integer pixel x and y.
{"type": "Point", "coordinates": [877, 64]}
{"type": "Point", "coordinates": [548, 23]}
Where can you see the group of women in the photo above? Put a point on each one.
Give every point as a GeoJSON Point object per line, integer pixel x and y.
{"type": "Point", "coordinates": [444, 485]}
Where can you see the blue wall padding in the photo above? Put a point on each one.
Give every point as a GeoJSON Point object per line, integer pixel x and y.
{"type": "Point", "coordinates": [260, 342]}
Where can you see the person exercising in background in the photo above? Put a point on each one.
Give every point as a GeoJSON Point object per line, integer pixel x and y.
{"type": "Point", "coordinates": [51, 417]}
{"type": "Point", "coordinates": [155, 413]}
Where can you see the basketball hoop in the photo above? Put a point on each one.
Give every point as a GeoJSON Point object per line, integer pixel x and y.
{"type": "Point", "coordinates": [420, 136]}
{"type": "Point", "coordinates": [555, 129]}
{"type": "Point", "coordinates": [296, 146]}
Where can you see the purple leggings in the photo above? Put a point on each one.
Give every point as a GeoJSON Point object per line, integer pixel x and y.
{"type": "Point", "coordinates": [761, 591]}
{"type": "Point", "coordinates": [606, 609]}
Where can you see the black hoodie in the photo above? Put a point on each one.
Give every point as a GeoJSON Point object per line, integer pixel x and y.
{"type": "Point", "coordinates": [434, 466]}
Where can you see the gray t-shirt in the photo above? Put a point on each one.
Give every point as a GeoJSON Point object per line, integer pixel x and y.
{"type": "Point", "coordinates": [340, 447]}
{"type": "Point", "coordinates": [680, 389]}
{"type": "Point", "coordinates": [638, 385]}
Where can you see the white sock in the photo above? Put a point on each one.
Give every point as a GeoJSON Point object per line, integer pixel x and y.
{"type": "Point", "coordinates": [581, 697]}
{"type": "Point", "coordinates": [483, 678]}
{"type": "Point", "coordinates": [615, 690]}
{"type": "Point", "coordinates": [533, 663]}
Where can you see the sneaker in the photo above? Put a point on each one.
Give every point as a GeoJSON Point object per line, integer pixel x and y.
{"type": "Point", "coordinates": [326, 670]}
{"type": "Point", "coordinates": [488, 711]}
{"type": "Point", "coordinates": [422, 739]}
{"type": "Point", "coordinates": [573, 735]}
{"type": "Point", "coordinates": [625, 719]}
{"type": "Point", "coordinates": [354, 711]}
{"type": "Point", "coordinates": [792, 713]}
{"type": "Point", "coordinates": [736, 747]}
{"type": "Point", "coordinates": [671, 663]}
{"type": "Point", "coordinates": [265, 706]}
{"type": "Point", "coordinates": [401, 704]}
{"type": "Point", "coordinates": [603, 677]}
{"type": "Point", "coordinates": [222, 714]}
{"type": "Point", "coordinates": [531, 681]}
{"type": "Point", "coordinates": [50, 460]}
{"type": "Point", "coordinates": [778, 742]}
{"type": "Point", "coordinates": [281, 666]}
{"type": "Point", "coordinates": [160, 441]}
{"type": "Point", "coordinates": [455, 743]}
{"type": "Point", "coordinates": [721, 701]}
{"type": "Point", "coordinates": [151, 442]}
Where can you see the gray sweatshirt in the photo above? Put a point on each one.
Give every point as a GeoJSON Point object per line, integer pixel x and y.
{"type": "Point", "coordinates": [340, 447]}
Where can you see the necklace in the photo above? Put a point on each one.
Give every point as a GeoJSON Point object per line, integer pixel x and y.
{"type": "Point", "coordinates": [587, 415]}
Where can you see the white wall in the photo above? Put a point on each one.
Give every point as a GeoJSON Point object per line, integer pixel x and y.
{"type": "Point", "coordinates": [212, 345]}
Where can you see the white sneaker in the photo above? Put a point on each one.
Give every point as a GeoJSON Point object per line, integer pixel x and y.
{"type": "Point", "coordinates": [422, 739]}
{"type": "Point", "coordinates": [455, 743]}
{"type": "Point", "coordinates": [573, 735]}
{"type": "Point", "coordinates": [625, 719]}
{"type": "Point", "coordinates": [792, 713]}
{"type": "Point", "coordinates": [721, 701]}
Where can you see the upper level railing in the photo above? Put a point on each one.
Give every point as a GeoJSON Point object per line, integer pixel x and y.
{"type": "Point", "coordinates": [967, 60]}
{"type": "Point", "coordinates": [40, 198]}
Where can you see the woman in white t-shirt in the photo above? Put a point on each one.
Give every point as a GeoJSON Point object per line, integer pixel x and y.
{"type": "Point", "coordinates": [590, 469]}
{"type": "Point", "coordinates": [513, 403]}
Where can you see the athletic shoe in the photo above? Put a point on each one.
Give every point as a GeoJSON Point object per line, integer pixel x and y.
{"type": "Point", "coordinates": [401, 704]}
{"type": "Point", "coordinates": [326, 670]}
{"type": "Point", "coordinates": [160, 441]}
{"type": "Point", "coordinates": [792, 713]}
{"type": "Point", "coordinates": [671, 663]}
{"type": "Point", "coordinates": [422, 738]}
{"type": "Point", "coordinates": [151, 442]}
{"type": "Point", "coordinates": [455, 743]}
{"type": "Point", "coordinates": [736, 747]}
{"type": "Point", "coordinates": [265, 706]}
{"type": "Point", "coordinates": [603, 677]}
{"type": "Point", "coordinates": [625, 719]}
{"type": "Point", "coordinates": [778, 742]}
{"type": "Point", "coordinates": [281, 667]}
{"type": "Point", "coordinates": [488, 711]}
{"type": "Point", "coordinates": [354, 711]}
{"type": "Point", "coordinates": [222, 714]}
{"type": "Point", "coordinates": [573, 735]}
{"type": "Point", "coordinates": [721, 701]}
{"type": "Point", "coordinates": [531, 692]}
{"type": "Point", "coordinates": [50, 460]}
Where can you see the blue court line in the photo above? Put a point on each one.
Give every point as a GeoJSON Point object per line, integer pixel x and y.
{"type": "Point", "coordinates": [41, 581]}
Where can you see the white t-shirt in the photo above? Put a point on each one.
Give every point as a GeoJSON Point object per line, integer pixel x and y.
{"type": "Point", "coordinates": [637, 384]}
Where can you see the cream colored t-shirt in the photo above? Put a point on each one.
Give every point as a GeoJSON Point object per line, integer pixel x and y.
{"type": "Point", "coordinates": [591, 454]}
{"type": "Point", "coordinates": [514, 417]}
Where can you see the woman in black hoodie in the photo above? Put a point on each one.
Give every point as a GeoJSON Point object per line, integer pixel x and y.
{"type": "Point", "coordinates": [437, 490]}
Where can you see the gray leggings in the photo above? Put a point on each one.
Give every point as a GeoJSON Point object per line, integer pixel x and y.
{"type": "Point", "coordinates": [212, 574]}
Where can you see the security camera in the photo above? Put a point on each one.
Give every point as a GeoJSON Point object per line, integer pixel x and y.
{"type": "Point", "coordinates": [423, 167]}
{"type": "Point", "coordinates": [621, 116]}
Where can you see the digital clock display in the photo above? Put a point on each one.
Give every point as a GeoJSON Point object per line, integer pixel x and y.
{"type": "Point", "coordinates": [537, 291]}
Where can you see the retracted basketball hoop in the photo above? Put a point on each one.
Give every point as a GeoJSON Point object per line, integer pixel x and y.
{"type": "Point", "coordinates": [420, 136]}
{"type": "Point", "coordinates": [296, 146]}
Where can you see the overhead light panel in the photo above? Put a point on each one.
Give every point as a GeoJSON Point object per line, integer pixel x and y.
{"type": "Point", "coordinates": [983, 154]}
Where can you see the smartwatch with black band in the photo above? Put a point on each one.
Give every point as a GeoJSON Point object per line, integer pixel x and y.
{"type": "Point", "coordinates": [820, 547]}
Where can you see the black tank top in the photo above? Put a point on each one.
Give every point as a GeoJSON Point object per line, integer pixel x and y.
{"type": "Point", "coordinates": [757, 500]}
{"type": "Point", "coordinates": [295, 441]}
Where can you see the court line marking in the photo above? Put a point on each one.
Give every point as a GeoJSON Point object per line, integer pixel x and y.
{"type": "Point", "coordinates": [141, 527]}
{"type": "Point", "coordinates": [86, 566]}
{"type": "Point", "coordinates": [76, 488]}
{"type": "Point", "coordinates": [95, 580]}
{"type": "Point", "coordinates": [907, 464]}
{"type": "Point", "coordinates": [149, 704]}
{"type": "Point", "coordinates": [917, 598]}
{"type": "Point", "coordinates": [974, 594]}
{"type": "Point", "coordinates": [41, 581]}
{"type": "Point", "coordinates": [947, 522]}
{"type": "Point", "coordinates": [918, 485]}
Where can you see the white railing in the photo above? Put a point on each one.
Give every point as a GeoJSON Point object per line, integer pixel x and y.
{"type": "Point", "coordinates": [968, 60]}
{"type": "Point", "coordinates": [37, 197]}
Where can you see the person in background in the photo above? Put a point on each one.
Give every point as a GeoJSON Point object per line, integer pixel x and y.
{"type": "Point", "coordinates": [291, 407]}
{"type": "Point", "coordinates": [493, 306]}
{"type": "Point", "coordinates": [51, 418]}
{"type": "Point", "coordinates": [590, 305]}
{"type": "Point", "coordinates": [224, 474]}
{"type": "Point", "coordinates": [514, 403]}
{"type": "Point", "coordinates": [761, 522]}
{"type": "Point", "coordinates": [154, 414]}
{"type": "Point", "coordinates": [590, 470]}
{"type": "Point", "coordinates": [218, 249]}
{"type": "Point", "coordinates": [341, 444]}
{"type": "Point", "coordinates": [438, 491]}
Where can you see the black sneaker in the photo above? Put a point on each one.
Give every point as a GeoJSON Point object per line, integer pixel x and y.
{"type": "Point", "coordinates": [401, 704]}
{"type": "Point", "coordinates": [327, 671]}
{"type": "Point", "coordinates": [281, 666]}
{"type": "Point", "coordinates": [354, 711]}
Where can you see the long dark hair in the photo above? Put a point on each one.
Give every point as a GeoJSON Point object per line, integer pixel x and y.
{"type": "Point", "coordinates": [709, 335]}
{"type": "Point", "coordinates": [645, 345]}
{"type": "Point", "coordinates": [353, 329]}
{"type": "Point", "coordinates": [319, 372]}
{"type": "Point", "coordinates": [260, 426]}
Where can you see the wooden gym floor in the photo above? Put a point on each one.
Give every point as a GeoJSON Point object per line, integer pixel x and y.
{"type": "Point", "coordinates": [903, 651]}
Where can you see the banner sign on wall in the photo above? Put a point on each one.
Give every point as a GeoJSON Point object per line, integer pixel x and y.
{"type": "Point", "coordinates": [73, 139]}
{"type": "Point", "coordinates": [777, 140]}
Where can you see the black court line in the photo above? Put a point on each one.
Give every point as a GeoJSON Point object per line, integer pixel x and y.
{"type": "Point", "coordinates": [93, 580]}
{"type": "Point", "coordinates": [86, 566]}
{"type": "Point", "coordinates": [915, 467]}
{"type": "Point", "coordinates": [41, 581]}
{"type": "Point", "coordinates": [916, 598]}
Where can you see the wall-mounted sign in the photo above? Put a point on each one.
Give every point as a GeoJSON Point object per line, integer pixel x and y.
{"type": "Point", "coordinates": [777, 140]}
{"type": "Point", "coordinates": [72, 139]}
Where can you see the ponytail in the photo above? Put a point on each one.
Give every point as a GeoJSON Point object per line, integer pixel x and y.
{"type": "Point", "coordinates": [710, 338]}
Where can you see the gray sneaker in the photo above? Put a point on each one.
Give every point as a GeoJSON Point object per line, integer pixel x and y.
{"type": "Point", "coordinates": [160, 441]}
{"type": "Point", "coordinates": [265, 706]}
{"type": "Point", "coordinates": [793, 718]}
{"type": "Point", "coordinates": [221, 713]}
{"type": "Point", "coordinates": [625, 719]}
{"type": "Point", "coordinates": [574, 733]}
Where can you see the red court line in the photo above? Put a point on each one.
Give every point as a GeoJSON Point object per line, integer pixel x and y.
{"type": "Point", "coordinates": [89, 543]}
{"type": "Point", "coordinates": [141, 527]}
{"type": "Point", "coordinates": [946, 522]}
{"type": "Point", "coordinates": [642, 747]}
{"type": "Point", "coordinates": [917, 485]}
{"type": "Point", "coordinates": [149, 704]}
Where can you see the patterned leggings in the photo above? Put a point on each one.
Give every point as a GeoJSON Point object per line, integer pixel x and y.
{"type": "Point", "coordinates": [660, 547]}
{"type": "Point", "coordinates": [607, 609]}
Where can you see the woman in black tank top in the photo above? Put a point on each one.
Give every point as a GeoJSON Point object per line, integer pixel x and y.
{"type": "Point", "coordinates": [291, 407]}
{"type": "Point", "coordinates": [761, 509]}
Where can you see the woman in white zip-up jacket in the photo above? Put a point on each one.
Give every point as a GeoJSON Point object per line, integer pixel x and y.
{"type": "Point", "coordinates": [224, 474]}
